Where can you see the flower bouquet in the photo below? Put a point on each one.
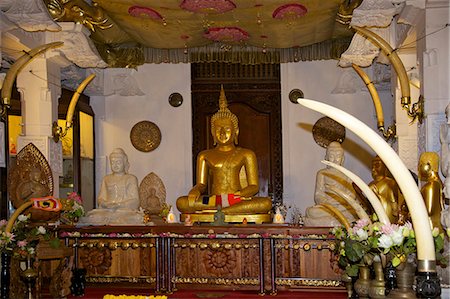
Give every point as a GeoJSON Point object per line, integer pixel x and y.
{"type": "Point", "coordinates": [23, 239]}
{"type": "Point", "coordinates": [72, 208]}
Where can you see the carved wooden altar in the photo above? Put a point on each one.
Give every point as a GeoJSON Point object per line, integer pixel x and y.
{"type": "Point", "coordinates": [165, 258]}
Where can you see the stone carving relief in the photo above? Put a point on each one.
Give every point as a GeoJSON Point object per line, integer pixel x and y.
{"type": "Point", "coordinates": [152, 194]}
{"type": "Point", "coordinates": [31, 15]}
{"type": "Point", "coordinates": [72, 76]}
{"type": "Point", "coordinates": [374, 13]}
{"type": "Point", "coordinates": [77, 47]}
{"type": "Point", "coordinates": [122, 82]}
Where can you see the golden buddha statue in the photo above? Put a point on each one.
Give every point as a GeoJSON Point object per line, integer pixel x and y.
{"type": "Point", "coordinates": [431, 190]}
{"type": "Point", "coordinates": [233, 175]}
{"type": "Point", "coordinates": [386, 189]}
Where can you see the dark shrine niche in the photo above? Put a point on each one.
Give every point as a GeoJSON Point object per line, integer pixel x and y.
{"type": "Point", "coordinates": [253, 93]}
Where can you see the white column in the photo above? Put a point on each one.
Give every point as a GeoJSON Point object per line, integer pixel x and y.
{"type": "Point", "coordinates": [434, 51]}
{"type": "Point", "coordinates": [39, 84]}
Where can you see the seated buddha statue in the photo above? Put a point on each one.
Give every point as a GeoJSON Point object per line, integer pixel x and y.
{"type": "Point", "coordinates": [431, 189]}
{"type": "Point", "coordinates": [386, 189]}
{"type": "Point", "coordinates": [328, 180]}
{"type": "Point", "coordinates": [222, 167]}
{"type": "Point", "coordinates": [118, 199]}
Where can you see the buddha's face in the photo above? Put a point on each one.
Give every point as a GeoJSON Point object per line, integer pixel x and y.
{"type": "Point", "coordinates": [335, 156]}
{"type": "Point", "coordinates": [224, 131]}
{"type": "Point", "coordinates": [117, 164]}
{"type": "Point", "coordinates": [424, 169]}
{"type": "Point", "coordinates": [378, 168]}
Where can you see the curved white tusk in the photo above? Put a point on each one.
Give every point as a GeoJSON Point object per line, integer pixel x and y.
{"type": "Point", "coordinates": [18, 65]}
{"type": "Point", "coordinates": [74, 100]}
{"type": "Point", "coordinates": [413, 198]}
{"type": "Point", "coordinates": [372, 197]}
{"type": "Point", "coordinates": [352, 202]}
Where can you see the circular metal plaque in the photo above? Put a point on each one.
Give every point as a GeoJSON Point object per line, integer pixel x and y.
{"type": "Point", "coordinates": [175, 99]}
{"type": "Point", "coordinates": [145, 136]}
{"type": "Point", "coordinates": [327, 130]}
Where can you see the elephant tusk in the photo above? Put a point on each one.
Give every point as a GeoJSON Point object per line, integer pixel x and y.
{"type": "Point", "coordinates": [373, 199]}
{"type": "Point", "coordinates": [425, 244]}
{"type": "Point", "coordinates": [17, 67]}
{"type": "Point", "coordinates": [74, 100]}
{"type": "Point", "coordinates": [337, 213]}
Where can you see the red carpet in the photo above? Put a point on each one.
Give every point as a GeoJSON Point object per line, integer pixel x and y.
{"type": "Point", "coordinates": [98, 293]}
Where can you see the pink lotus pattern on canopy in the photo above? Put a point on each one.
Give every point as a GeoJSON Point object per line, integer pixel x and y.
{"type": "Point", "coordinates": [289, 11]}
{"type": "Point", "coordinates": [226, 34]}
{"type": "Point", "coordinates": [208, 6]}
{"type": "Point", "coordinates": [144, 12]}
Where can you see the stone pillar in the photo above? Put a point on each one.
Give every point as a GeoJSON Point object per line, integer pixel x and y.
{"type": "Point", "coordinates": [39, 84]}
{"type": "Point", "coordinates": [434, 52]}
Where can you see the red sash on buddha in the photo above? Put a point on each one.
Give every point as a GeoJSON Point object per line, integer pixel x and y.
{"type": "Point", "coordinates": [224, 200]}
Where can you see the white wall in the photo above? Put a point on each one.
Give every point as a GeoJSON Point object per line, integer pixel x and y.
{"type": "Point", "coordinates": [302, 155]}
{"type": "Point", "coordinates": [171, 161]}
{"type": "Point", "coordinates": [116, 115]}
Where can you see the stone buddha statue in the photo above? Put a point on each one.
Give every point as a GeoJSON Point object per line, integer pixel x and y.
{"type": "Point", "coordinates": [118, 199]}
{"type": "Point", "coordinates": [223, 170]}
{"type": "Point", "coordinates": [386, 189]}
{"type": "Point", "coordinates": [328, 181]}
{"type": "Point", "coordinates": [432, 189]}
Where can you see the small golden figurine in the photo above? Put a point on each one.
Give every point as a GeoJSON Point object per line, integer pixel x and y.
{"type": "Point", "coordinates": [386, 189]}
{"type": "Point", "coordinates": [432, 188]}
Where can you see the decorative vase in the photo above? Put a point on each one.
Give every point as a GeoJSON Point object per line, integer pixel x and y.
{"type": "Point", "coordinates": [363, 282]}
{"type": "Point", "coordinates": [350, 286]}
{"type": "Point", "coordinates": [405, 273]}
{"type": "Point", "coordinates": [377, 286]}
{"type": "Point", "coordinates": [390, 278]}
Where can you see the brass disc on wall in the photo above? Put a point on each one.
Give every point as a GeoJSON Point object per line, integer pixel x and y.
{"type": "Point", "coordinates": [327, 130]}
{"type": "Point", "coordinates": [145, 136]}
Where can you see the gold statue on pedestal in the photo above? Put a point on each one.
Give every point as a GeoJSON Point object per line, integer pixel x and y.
{"type": "Point", "coordinates": [232, 173]}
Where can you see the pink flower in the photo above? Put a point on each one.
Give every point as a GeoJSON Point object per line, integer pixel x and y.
{"type": "Point", "coordinates": [212, 236]}
{"type": "Point", "coordinates": [388, 229]}
{"type": "Point", "coordinates": [64, 234]}
{"type": "Point", "coordinates": [3, 222]}
{"type": "Point", "coordinates": [22, 243]}
{"type": "Point", "coordinates": [112, 235]}
{"type": "Point", "coordinates": [361, 223]}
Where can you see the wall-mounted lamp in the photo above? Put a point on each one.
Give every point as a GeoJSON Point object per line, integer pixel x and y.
{"type": "Point", "coordinates": [390, 132]}
{"type": "Point", "coordinates": [296, 94]}
{"type": "Point", "coordinates": [415, 110]}
{"type": "Point", "coordinates": [59, 132]}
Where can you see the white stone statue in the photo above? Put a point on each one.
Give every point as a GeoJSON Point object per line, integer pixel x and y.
{"type": "Point", "coordinates": [445, 152]}
{"type": "Point", "coordinates": [118, 199]}
{"type": "Point", "coordinates": [445, 165]}
{"type": "Point", "coordinates": [328, 179]}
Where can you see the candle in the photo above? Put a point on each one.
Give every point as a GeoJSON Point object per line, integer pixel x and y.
{"type": "Point", "coordinates": [371, 196]}
{"type": "Point", "coordinates": [413, 198]}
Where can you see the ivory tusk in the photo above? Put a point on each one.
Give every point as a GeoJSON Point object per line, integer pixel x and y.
{"type": "Point", "coordinates": [353, 203]}
{"type": "Point", "coordinates": [337, 213]}
{"type": "Point", "coordinates": [372, 197]}
{"type": "Point", "coordinates": [18, 65]}
{"type": "Point", "coordinates": [395, 60]}
{"type": "Point", "coordinates": [16, 214]}
{"type": "Point", "coordinates": [74, 100]}
{"type": "Point", "coordinates": [425, 243]}
{"type": "Point", "coordinates": [373, 93]}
